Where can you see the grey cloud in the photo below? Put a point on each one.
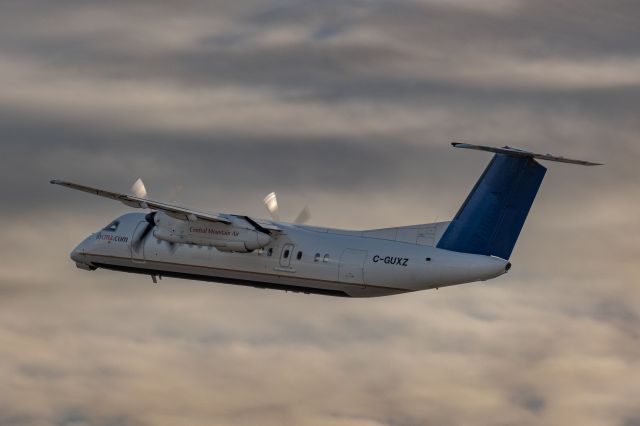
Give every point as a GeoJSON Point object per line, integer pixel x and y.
{"type": "Point", "coordinates": [224, 172]}
{"type": "Point", "coordinates": [537, 30]}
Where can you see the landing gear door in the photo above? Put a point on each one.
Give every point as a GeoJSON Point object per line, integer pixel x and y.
{"type": "Point", "coordinates": [137, 246]}
{"type": "Point", "coordinates": [352, 266]}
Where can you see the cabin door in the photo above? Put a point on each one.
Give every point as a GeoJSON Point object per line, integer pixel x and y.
{"type": "Point", "coordinates": [285, 255]}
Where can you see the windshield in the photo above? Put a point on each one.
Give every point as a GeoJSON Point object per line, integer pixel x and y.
{"type": "Point", "coordinates": [112, 226]}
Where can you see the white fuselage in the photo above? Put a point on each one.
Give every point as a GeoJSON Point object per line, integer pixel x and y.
{"type": "Point", "coordinates": [298, 258]}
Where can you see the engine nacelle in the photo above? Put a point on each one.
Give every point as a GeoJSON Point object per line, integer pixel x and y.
{"type": "Point", "coordinates": [222, 236]}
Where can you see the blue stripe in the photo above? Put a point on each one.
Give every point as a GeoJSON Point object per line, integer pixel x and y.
{"type": "Point", "coordinates": [491, 218]}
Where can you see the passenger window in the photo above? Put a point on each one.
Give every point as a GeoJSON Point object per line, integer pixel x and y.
{"type": "Point", "coordinates": [316, 258]}
{"type": "Point", "coordinates": [286, 254]}
{"type": "Point", "coordinates": [325, 259]}
{"type": "Point", "coordinates": [299, 256]}
{"type": "Point", "coordinates": [112, 226]}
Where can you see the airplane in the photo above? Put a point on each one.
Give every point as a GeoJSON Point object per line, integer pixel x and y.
{"type": "Point", "coordinates": [178, 242]}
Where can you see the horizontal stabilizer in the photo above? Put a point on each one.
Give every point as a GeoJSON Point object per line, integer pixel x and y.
{"type": "Point", "coordinates": [507, 150]}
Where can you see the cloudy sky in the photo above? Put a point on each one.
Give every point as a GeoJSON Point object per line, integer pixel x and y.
{"type": "Point", "coordinates": [347, 106]}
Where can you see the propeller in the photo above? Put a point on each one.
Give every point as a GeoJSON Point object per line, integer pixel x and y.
{"type": "Point", "coordinates": [139, 189]}
{"type": "Point", "coordinates": [150, 218]}
{"type": "Point", "coordinates": [271, 203]}
{"type": "Point", "coordinates": [151, 223]}
{"type": "Point", "coordinates": [303, 216]}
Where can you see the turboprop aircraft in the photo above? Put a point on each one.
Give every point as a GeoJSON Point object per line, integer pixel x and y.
{"type": "Point", "coordinates": [174, 241]}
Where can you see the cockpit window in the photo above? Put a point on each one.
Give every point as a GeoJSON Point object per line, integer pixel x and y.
{"type": "Point", "coordinates": [112, 226]}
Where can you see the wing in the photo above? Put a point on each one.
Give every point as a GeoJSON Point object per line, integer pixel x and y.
{"type": "Point", "coordinates": [175, 212]}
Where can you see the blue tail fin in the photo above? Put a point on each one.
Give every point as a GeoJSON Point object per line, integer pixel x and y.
{"type": "Point", "coordinates": [493, 214]}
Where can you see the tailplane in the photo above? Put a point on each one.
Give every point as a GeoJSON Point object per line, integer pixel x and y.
{"type": "Point", "coordinates": [491, 218]}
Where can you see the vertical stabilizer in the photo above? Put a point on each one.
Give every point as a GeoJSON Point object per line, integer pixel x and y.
{"type": "Point", "coordinates": [490, 220]}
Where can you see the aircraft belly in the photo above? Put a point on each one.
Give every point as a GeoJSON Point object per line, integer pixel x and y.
{"type": "Point", "coordinates": [256, 279]}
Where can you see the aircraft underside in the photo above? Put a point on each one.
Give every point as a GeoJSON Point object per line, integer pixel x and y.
{"type": "Point", "coordinates": [158, 270]}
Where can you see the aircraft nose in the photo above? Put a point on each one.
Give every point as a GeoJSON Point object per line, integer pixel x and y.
{"type": "Point", "coordinates": [79, 256]}
{"type": "Point", "coordinates": [78, 253]}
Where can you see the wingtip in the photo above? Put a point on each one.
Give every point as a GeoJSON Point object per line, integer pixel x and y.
{"type": "Point", "coordinates": [465, 145]}
{"type": "Point", "coordinates": [54, 181]}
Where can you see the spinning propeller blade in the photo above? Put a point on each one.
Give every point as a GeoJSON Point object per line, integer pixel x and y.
{"type": "Point", "coordinates": [138, 189]}
{"type": "Point", "coordinates": [150, 218]}
{"type": "Point", "coordinates": [271, 203]}
{"type": "Point", "coordinates": [303, 216]}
